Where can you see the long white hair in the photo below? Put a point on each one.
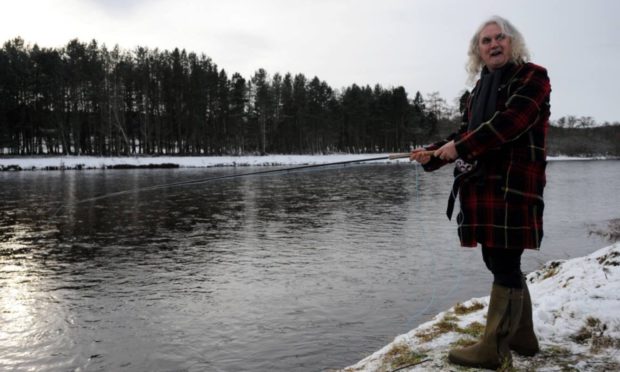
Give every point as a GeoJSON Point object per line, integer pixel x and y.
{"type": "Point", "coordinates": [520, 54]}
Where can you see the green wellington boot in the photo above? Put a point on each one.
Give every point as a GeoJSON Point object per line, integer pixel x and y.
{"type": "Point", "coordinates": [524, 341]}
{"type": "Point", "coordinates": [502, 322]}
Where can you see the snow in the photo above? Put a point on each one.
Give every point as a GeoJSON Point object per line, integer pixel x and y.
{"type": "Point", "coordinates": [93, 162]}
{"type": "Point", "coordinates": [576, 312]}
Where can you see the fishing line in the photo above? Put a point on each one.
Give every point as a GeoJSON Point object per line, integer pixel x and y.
{"type": "Point", "coordinates": [457, 279]}
{"type": "Point", "coordinates": [413, 318]}
{"type": "Point", "coordinates": [199, 181]}
{"type": "Point", "coordinates": [223, 177]}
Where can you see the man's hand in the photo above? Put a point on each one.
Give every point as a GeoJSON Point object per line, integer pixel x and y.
{"type": "Point", "coordinates": [420, 155]}
{"type": "Point", "coordinates": [447, 152]}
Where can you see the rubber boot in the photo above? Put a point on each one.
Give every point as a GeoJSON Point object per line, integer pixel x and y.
{"type": "Point", "coordinates": [502, 322]}
{"type": "Point", "coordinates": [524, 341]}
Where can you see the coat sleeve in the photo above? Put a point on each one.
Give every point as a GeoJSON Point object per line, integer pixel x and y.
{"type": "Point", "coordinates": [522, 111]}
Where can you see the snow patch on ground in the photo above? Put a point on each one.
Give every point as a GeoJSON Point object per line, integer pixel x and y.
{"type": "Point", "coordinates": [576, 312]}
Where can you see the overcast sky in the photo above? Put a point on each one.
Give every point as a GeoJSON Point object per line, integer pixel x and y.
{"type": "Point", "coordinates": [419, 44]}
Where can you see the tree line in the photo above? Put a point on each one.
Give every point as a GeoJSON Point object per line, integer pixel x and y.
{"type": "Point", "coordinates": [572, 121]}
{"type": "Point", "coordinates": [85, 99]}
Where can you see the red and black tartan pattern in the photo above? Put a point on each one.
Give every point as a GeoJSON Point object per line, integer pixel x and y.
{"type": "Point", "coordinates": [504, 207]}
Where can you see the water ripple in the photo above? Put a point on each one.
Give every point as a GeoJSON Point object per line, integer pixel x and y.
{"type": "Point", "coordinates": [291, 272]}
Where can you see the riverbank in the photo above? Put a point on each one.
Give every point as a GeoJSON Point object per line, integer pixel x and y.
{"type": "Point", "coordinates": [18, 163]}
{"type": "Point", "coordinates": [576, 311]}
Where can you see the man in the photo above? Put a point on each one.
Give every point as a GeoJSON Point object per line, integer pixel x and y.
{"type": "Point", "coordinates": [500, 159]}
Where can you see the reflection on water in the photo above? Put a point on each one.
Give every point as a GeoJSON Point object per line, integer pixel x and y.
{"type": "Point", "coordinates": [295, 271]}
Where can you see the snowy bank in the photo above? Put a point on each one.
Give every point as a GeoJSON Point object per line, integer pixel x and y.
{"type": "Point", "coordinates": [94, 162]}
{"type": "Point", "coordinates": [576, 312]}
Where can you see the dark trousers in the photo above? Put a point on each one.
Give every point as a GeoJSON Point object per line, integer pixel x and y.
{"type": "Point", "coordinates": [505, 264]}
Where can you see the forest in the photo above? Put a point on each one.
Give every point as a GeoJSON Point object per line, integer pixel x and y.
{"type": "Point", "coordinates": [85, 99]}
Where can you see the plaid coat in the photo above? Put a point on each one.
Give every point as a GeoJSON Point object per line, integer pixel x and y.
{"type": "Point", "coordinates": [503, 206]}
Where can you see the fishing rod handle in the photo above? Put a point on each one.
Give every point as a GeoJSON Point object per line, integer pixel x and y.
{"type": "Point", "coordinates": [402, 155]}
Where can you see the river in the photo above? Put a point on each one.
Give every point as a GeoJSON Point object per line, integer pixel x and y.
{"type": "Point", "coordinates": [296, 271]}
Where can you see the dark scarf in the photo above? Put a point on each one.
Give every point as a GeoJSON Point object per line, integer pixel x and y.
{"type": "Point", "coordinates": [483, 107]}
{"type": "Point", "coordinates": [485, 99]}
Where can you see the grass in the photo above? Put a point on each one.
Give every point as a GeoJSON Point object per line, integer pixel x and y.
{"type": "Point", "coordinates": [445, 325]}
{"type": "Point", "coordinates": [557, 351]}
{"type": "Point", "coordinates": [593, 332]}
{"type": "Point", "coordinates": [507, 366]}
{"type": "Point", "coordinates": [562, 358]}
{"type": "Point", "coordinates": [463, 342]}
{"type": "Point", "coordinates": [461, 309]}
{"type": "Point", "coordinates": [400, 355]}
{"type": "Point", "coordinates": [551, 270]}
{"type": "Point", "coordinates": [474, 329]}
{"type": "Point", "coordinates": [448, 324]}
{"type": "Point", "coordinates": [609, 259]}
{"type": "Point", "coordinates": [589, 330]}
{"type": "Point", "coordinates": [567, 280]}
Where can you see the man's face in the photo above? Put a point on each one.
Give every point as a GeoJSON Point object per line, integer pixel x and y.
{"type": "Point", "coordinates": [495, 47]}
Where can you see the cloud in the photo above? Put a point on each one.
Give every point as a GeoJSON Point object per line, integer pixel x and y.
{"type": "Point", "coordinates": [420, 44]}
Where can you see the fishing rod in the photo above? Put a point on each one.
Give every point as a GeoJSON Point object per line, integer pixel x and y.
{"type": "Point", "coordinates": [237, 175]}
{"type": "Point", "coordinates": [280, 170]}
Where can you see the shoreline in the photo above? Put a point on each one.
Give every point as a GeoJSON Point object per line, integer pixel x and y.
{"type": "Point", "coordinates": [575, 305]}
{"type": "Point", "coordinates": [32, 163]}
